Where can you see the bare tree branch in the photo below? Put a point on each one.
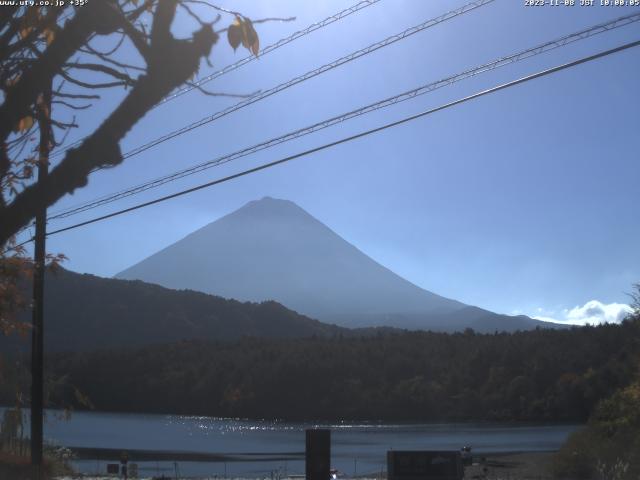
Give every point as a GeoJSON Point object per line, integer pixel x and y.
{"type": "Point", "coordinates": [71, 105]}
{"type": "Point", "coordinates": [172, 63]}
{"type": "Point", "coordinates": [97, 67]}
{"type": "Point", "coordinates": [94, 17]}
{"type": "Point", "coordinates": [77, 95]}
{"type": "Point", "coordinates": [80, 83]}
{"type": "Point", "coordinates": [202, 90]}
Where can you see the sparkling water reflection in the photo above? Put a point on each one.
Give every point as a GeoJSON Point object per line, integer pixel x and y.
{"type": "Point", "coordinates": [275, 446]}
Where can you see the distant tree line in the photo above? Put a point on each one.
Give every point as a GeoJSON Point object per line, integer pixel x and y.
{"type": "Point", "coordinates": [541, 375]}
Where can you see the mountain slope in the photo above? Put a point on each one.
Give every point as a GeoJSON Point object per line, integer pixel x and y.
{"type": "Point", "coordinates": [273, 249]}
{"type": "Point", "coordinates": [85, 312]}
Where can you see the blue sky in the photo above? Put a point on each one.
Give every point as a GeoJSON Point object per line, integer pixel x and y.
{"type": "Point", "coordinates": [524, 201]}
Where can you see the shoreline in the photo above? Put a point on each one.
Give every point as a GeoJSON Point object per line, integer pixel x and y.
{"type": "Point", "coordinates": [328, 422]}
{"type": "Point", "coordinates": [144, 455]}
{"type": "Point", "coordinates": [509, 465]}
{"type": "Point", "coordinates": [97, 453]}
{"type": "Point", "coordinates": [521, 465]}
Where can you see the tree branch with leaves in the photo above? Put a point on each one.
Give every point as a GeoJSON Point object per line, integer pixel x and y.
{"type": "Point", "coordinates": [64, 47]}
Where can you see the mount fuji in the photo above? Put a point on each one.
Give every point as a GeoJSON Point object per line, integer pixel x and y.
{"type": "Point", "coordinates": [272, 249]}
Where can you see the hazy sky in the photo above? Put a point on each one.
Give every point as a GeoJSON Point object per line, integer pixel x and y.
{"type": "Point", "coordinates": [524, 201]}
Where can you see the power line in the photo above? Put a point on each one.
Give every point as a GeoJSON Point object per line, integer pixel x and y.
{"type": "Point", "coordinates": [500, 62]}
{"type": "Point", "coordinates": [306, 76]}
{"type": "Point", "coordinates": [310, 74]}
{"type": "Point", "coordinates": [250, 58]}
{"type": "Point", "coordinates": [270, 48]}
{"type": "Point", "coordinates": [358, 135]}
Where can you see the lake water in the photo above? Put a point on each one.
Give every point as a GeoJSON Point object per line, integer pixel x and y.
{"type": "Point", "coordinates": [273, 446]}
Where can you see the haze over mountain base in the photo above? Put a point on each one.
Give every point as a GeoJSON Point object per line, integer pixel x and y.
{"type": "Point", "coordinates": [272, 249]}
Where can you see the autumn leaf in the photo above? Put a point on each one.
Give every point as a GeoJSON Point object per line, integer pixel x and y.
{"type": "Point", "coordinates": [242, 31]}
{"type": "Point", "coordinates": [248, 33]}
{"type": "Point", "coordinates": [24, 124]}
{"type": "Point", "coordinates": [29, 21]}
{"type": "Point", "coordinates": [12, 81]}
{"type": "Point", "coordinates": [255, 48]}
{"type": "Point", "coordinates": [250, 37]}
{"type": "Point", "coordinates": [234, 33]}
{"type": "Point", "coordinates": [24, 32]}
{"type": "Point", "coordinates": [49, 35]}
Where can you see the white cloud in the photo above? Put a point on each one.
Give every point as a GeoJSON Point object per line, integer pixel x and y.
{"type": "Point", "coordinates": [593, 312]}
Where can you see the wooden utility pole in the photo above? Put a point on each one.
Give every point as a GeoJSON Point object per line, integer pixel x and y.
{"type": "Point", "coordinates": [37, 333]}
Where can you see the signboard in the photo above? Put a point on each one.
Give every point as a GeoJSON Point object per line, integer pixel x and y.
{"type": "Point", "coordinates": [424, 465]}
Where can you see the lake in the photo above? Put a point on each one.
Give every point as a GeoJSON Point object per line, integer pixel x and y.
{"type": "Point", "coordinates": [258, 448]}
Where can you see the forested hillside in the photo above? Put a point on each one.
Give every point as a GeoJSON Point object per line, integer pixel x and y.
{"type": "Point", "coordinates": [84, 312]}
{"type": "Point", "coordinates": [541, 375]}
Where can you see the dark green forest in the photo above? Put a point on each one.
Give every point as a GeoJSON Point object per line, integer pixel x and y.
{"type": "Point", "coordinates": [540, 375]}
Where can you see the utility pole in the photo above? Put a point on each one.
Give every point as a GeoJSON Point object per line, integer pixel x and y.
{"type": "Point", "coordinates": [37, 332]}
